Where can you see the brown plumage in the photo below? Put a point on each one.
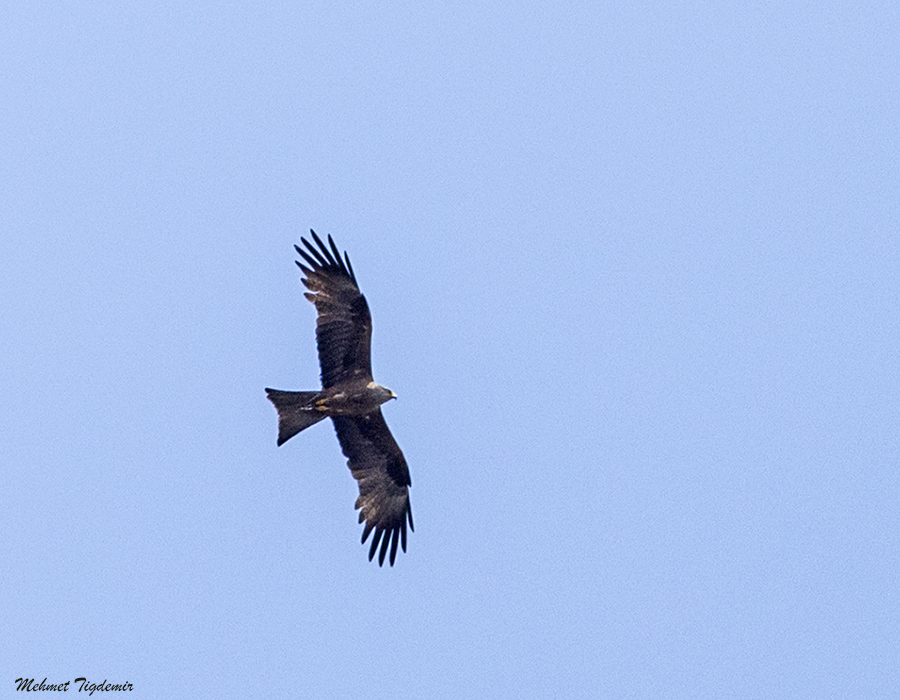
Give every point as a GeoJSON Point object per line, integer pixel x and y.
{"type": "Point", "coordinates": [350, 397]}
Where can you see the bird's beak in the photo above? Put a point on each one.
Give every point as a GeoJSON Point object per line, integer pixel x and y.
{"type": "Point", "coordinates": [393, 395]}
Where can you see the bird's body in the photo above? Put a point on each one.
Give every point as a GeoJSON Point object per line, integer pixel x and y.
{"type": "Point", "coordinates": [350, 397]}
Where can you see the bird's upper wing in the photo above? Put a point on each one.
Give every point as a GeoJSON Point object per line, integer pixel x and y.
{"type": "Point", "coordinates": [344, 327]}
{"type": "Point", "coordinates": [377, 463]}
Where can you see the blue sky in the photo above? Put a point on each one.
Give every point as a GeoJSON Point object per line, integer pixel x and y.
{"type": "Point", "coordinates": [633, 269]}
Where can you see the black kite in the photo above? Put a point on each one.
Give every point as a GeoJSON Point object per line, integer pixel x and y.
{"type": "Point", "coordinates": [350, 397]}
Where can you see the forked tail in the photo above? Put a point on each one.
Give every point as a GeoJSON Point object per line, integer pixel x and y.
{"type": "Point", "coordinates": [296, 411]}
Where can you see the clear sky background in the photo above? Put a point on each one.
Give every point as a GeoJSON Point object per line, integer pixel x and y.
{"type": "Point", "coordinates": [633, 269]}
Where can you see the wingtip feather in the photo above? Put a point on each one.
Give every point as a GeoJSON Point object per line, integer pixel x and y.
{"type": "Point", "coordinates": [367, 529]}
{"type": "Point", "coordinates": [349, 267]}
{"type": "Point", "coordinates": [375, 540]}
{"type": "Point", "coordinates": [394, 541]}
{"type": "Point", "coordinates": [324, 249]}
{"type": "Point", "coordinates": [337, 255]}
{"type": "Point", "coordinates": [385, 541]}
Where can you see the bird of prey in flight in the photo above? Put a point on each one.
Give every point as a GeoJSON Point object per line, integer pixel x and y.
{"type": "Point", "coordinates": [350, 397]}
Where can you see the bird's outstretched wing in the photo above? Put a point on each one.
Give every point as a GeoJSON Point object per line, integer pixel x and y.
{"type": "Point", "coordinates": [344, 326]}
{"type": "Point", "coordinates": [378, 465]}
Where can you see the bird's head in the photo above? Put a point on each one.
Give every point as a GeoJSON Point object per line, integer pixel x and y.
{"type": "Point", "coordinates": [381, 393]}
